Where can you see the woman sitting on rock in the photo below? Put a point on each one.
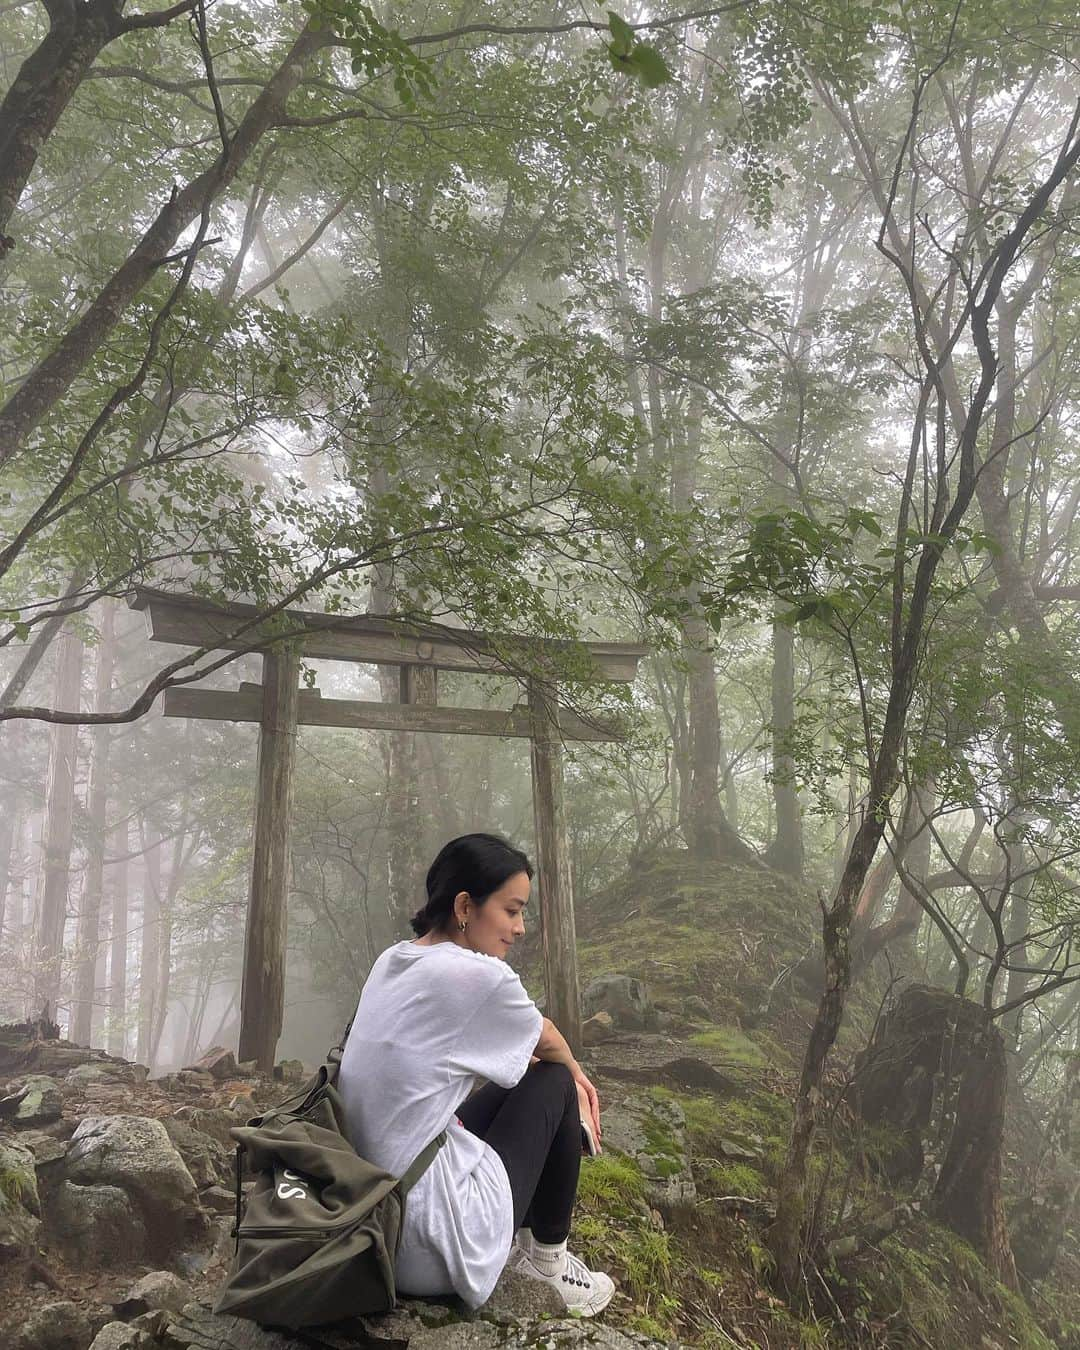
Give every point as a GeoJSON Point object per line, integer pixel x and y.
{"type": "Point", "coordinates": [436, 1016]}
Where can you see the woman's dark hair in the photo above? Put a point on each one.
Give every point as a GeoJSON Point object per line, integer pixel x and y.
{"type": "Point", "coordinates": [475, 863]}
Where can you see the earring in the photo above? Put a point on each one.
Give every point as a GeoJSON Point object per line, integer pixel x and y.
{"type": "Point", "coordinates": [462, 926]}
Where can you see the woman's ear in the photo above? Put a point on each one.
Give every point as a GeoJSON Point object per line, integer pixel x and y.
{"type": "Point", "coordinates": [461, 907]}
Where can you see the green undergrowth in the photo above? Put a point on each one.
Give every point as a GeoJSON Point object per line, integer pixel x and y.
{"type": "Point", "coordinates": [615, 1229]}
{"type": "Point", "coordinates": [16, 1187]}
{"type": "Point", "coordinates": [706, 1279]}
{"type": "Point", "coordinates": [928, 1284]}
{"type": "Point", "coordinates": [723, 1130]}
{"type": "Point", "coordinates": [731, 1045]}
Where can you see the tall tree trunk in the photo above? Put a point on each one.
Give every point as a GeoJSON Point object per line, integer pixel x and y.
{"type": "Point", "coordinates": [118, 943]}
{"type": "Point", "coordinates": [13, 938]}
{"type": "Point", "coordinates": [33, 867]}
{"type": "Point", "coordinates": [446, 801]}
{"type": "Point", "coordinates": [52, 377]}
{"type": "Point", "coordinates": [164, 980]}
{"type": "Point", "coordinates": [204, 986]}
{"type": "Point", "coordinates": [785, 853]}
{"type": "Point", "coordinates": [149, 949]}
{"type": "Point", "coordinates": [10, 829]}
{"type": "Point", "coordinates": [60, 812]}
{"type": "Point", "coordinates": [706, 828]}
{"type": "Point", "coordinates": [44, 86]}
{"type": "Point", "coordinates": [96, 807]}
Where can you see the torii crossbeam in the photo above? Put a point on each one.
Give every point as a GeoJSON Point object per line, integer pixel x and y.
{"type": "Point", "coordinates": [420, 651]}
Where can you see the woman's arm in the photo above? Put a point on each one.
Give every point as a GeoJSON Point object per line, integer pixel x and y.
{"type": "Point", "coordinates": [552, 1046]}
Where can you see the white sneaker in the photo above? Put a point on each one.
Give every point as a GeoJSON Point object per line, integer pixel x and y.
{"type": "Point", "coordinates": [584, 1291]}
{"type": "Point", "coordinates": [519, 1255]}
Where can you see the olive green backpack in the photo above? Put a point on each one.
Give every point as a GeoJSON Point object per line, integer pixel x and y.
{"type": "Point", "coordinates": [317, 1237]}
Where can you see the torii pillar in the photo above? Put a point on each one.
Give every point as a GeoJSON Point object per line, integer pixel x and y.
{"type": "Point", "coordinates": [262, 989]}
{"type": "Point", "coordinates": [557, 924]}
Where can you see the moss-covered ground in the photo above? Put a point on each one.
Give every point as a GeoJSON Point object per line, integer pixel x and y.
{"type": "Point", "coordinates": [724, 951]}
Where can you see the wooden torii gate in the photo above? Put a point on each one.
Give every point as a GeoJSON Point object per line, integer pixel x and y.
{"type": "Point", "coordinates": [279, 706]}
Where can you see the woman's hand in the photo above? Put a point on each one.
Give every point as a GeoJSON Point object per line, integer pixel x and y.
{"type": "Point", "coordinates": [552, 1048]}
{"type": "Point", "coordinates": [588, 1103]}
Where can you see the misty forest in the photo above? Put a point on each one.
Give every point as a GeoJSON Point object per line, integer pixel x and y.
{"type": "Point", "coordinates": [650, 435]}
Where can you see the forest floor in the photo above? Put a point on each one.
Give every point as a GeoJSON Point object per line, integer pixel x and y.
{"type": "Point", "coordinates": [697, 1109]}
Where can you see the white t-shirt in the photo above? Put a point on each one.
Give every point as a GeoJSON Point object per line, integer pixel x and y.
{"type": "Point", "coordinates": [431, 1023]}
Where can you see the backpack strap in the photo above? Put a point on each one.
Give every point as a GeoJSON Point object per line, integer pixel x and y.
{"type": "Point", "coordinates": [420, 1165]}
{"type": "Point", "coordinates": [239, 1195]}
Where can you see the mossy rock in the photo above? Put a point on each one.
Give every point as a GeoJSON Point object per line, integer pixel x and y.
{"type": "Point", "coordinates": [42, 1102]}
{"type": "Point", "coordinates": [18, 1180]}
{"type": "Point", "coordinates": [20, 1207]}
{"type": "Point", "coordinates": [650, 1131]}
{"type": "Point", "coordinates": [717, 933]}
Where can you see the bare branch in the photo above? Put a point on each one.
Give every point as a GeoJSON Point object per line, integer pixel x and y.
{"type": "Point", "coordinates": [134, 22]}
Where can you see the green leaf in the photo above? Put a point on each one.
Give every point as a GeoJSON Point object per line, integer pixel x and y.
{"type": "Point", "coordinates": [649, 66]}
{"type": "Point", "coordinates": [623, 35]}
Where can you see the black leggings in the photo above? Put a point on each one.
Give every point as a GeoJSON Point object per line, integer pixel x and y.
{"type": "Point", "coordinates": [535, 1128]}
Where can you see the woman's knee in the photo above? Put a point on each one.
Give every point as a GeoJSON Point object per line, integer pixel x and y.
{"type": "Point", "coordinates": [557, 1079]}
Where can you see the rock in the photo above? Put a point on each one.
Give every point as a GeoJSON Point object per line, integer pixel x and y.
{"type": "Point", "coordinates": [597, 1029]}
{"type": "Point", "coordinates": [41, 1102]}
{"type": "Point", "coordinates": [218, 1198]}
{"type": "Point", "coordinates": [215, 1121]}
{"type": "Point", "coordinates": [151, 1323]}
{"type": "Point", "coordinates": [289, 1071]}
{"type": "Point", "coordinates": [118, 1336]}
{"type": "Point", "coordinates": [197, 1328]}
{"type": "Point", "coordinates": [56, 1326]}
{"type": "Point", "coordinates": [517, 1296]}
{"type": "Point", "coordinates": [689, 1072]}
{"type": "Point", "coordinates": [696, 1008]}
{"type": "Point", "coordinates": [18, 1180]}
{"type": "Point", "coordinates": [191, 1264]}
{"type": "Point", "coordinates": [206, 1158]}
{"type": "Point", "coordinates": [9, 1104]}
{"type": "Point", "coordinates": [218, 1062]}
{"type": "Point", "coordinates": [95, 1225]}
{"type": "Point", "coordinates": [136, 1154]}
{"type": "Point", "coordinates": [426, 1325]}
{"type": "Point", "coordinates": [103, 1071]}
{"type": "Point", "coordinates": [55, 1058]}
{"type": "Point", "coordinates": [46, 1148]}
{"type": "Point", "coordinates": [624, 997]}
{"type": "Point", "coordinates": [159, 1289]}
{"type": "Point", "coordinates": [20, 1206]}
{"type": "Point", "coordinates": [197, 1079]}
{"type": "Point", "coordinates": [653, 1133]}
{"type": "Point", "coordinates": [739, 1151]}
